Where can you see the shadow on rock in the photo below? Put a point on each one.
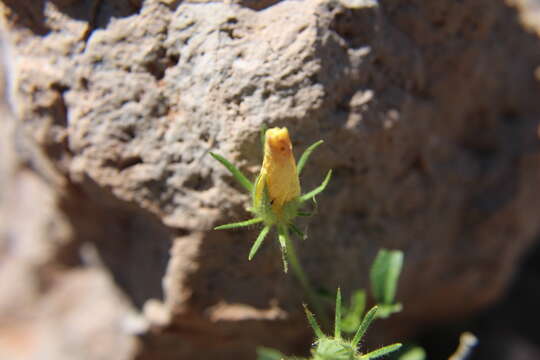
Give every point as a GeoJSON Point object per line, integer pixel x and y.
{"type": "Point", "coordinates": [131, 243]}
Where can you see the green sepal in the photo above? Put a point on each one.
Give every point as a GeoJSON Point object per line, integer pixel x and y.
{"type": "Point", "coordinates": [337, 320]}
{"type": "Point", "coordinates": [318, 189]}
{"type": "Point", "coordinates": [263, 135]}
{"type": "Point", "coordinates": [289, 212]}
{"type": "Point", "coordinates": [305, 156]}
{"type": "Point", "coordinates": [313, 323]}
{"type": "Point", "coordinates": [297, 231]}
{"type": "Point", "coordinates": [366, 321]}
{"type": "Point", "coordinates": [239, 224]}
{"type": "Point", "coordinates": [237, 174]}
{"type": "Point", "coordinates": [264, 208]}
{"type": "Point", "coordinates": [258, 242]}
{"type": "Point", "coordinates": [380, 352]}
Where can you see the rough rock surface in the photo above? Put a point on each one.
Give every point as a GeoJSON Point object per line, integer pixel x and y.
{"type": "Point", "coordinates": [429, 111]}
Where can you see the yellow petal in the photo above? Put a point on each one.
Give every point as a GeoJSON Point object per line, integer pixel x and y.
{"type": "Point", "coordinates": [278, 170]}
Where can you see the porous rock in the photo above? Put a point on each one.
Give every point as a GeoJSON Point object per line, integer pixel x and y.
{"type": "Point", "coordinates": [428, 111]}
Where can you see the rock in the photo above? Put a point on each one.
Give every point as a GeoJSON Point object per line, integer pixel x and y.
{"type": "Point", "coordinates": [428, 112]}
{"type": "Point", "coordinates": [53, 306]}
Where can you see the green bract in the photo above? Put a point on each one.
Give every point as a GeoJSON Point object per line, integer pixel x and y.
{"type": "Point", "coordinates": [338, 348]}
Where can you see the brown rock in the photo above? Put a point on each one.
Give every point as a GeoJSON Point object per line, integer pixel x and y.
{"type": "Point", "coordinates": [428, 111]}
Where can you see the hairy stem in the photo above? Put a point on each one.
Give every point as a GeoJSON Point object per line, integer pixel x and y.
{"type": "Point", "coordinates": [300, 274]}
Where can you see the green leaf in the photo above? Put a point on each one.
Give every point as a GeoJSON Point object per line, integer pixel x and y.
{"type": "Point", "coordinates": [413, 353]}
{"type": "Point", "coordinates": [264, 353]}
{"type": "Point", "coordinates": [305, 156]}
{"type": "Point", "coordinates": [258, 242]}
{"type": "Point", "coordinates": [317, 190]}
{"type": "Point", "coordinates": [386, 310]}
{"type": "Point", "coordinates": [337, 321]}
{"type": "Point", "coordinates": [366, 321]}
{"type": "Point", "coordinates": [241, 178]}
{"type": "Point", "coordinates": [353, 315]}
{"type": "Point", "coordinates": [380, 352]}
{"type": "Point", "coordinates": [239, 224]}
{"type": "Point", "coordinates": [313, 323]}
{"type": "Point", "coordinates": [305, 214]}
{"type": "Point", "coordinates": [384, 275]}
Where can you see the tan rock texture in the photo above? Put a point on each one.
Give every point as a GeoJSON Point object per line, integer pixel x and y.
{"type": "Point", "coordinates": [429, 111]}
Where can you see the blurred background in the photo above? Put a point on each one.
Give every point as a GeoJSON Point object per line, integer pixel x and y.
{"type": "Point", "coordinates": [108, 196]}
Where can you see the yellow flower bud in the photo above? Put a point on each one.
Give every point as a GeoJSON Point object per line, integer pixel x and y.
{"type": "Point", "coordinates": [278, 172]}
{"type": "Point", "coordinates": [276, 192]}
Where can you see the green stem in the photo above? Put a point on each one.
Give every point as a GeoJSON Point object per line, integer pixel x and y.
{"type": "Point", "coordinates": [303, 279]}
